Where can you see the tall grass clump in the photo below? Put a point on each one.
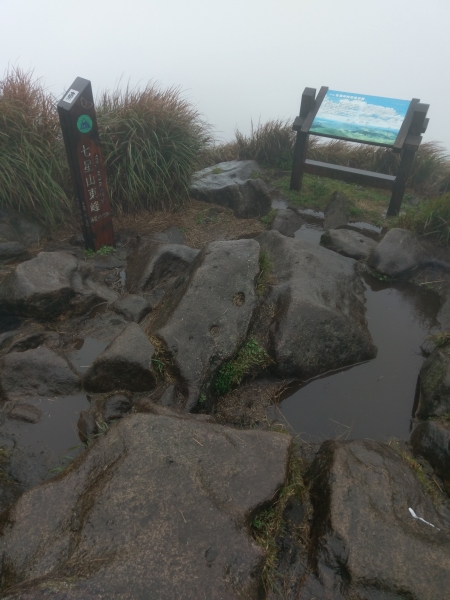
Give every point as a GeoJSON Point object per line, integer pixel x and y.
{"type": "Point", "coordinates": [271, 144]}
{"type": "Point", "coordinates": [151, 141]}
{"type": "Point", "coordinates": [33, 169]}
{"type": "Point", "coordinates": [430, 219]}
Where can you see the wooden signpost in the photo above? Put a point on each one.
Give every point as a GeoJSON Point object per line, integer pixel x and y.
{"type": "Point", "coordinates": [395, 124]}
{"type": "Point", "coordinates": [80, 133]}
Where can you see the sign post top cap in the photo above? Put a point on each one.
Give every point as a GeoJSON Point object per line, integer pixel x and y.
{"type": "Point", "coordinates": [78, 87]}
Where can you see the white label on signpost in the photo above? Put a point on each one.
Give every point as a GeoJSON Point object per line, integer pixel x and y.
{"type": "Point", "coordinates": [70, 96]}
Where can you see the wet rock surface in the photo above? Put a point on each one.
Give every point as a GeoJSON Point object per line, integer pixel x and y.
{"type": "Point", "coordinates": [319, 321]}
{"type": "Point", "coordinates": [50, 285]}
{"type": "Point", "coordinates": [398, 254]}
{"type": "Point", "coordinates": [336, 212]}
{"type": "Point", "coordinates": [38, 372]}
{"type": "Point", "coordinates": [110, 529]}
{"type": "Point", "coordinates": [154, 263]}
{"type": "Point", "coordinates": [132, 307]}
{"type": "Point", "coordinates": [348, 243]}
{"type": "Point", "coordinates": [364, 541]}
{"type": "Point", "coordinates": [287, 222]}
{"type": "Point", "coordinates": [125, 364]}
{"type": "Point", "coordinates": [431, 440]}
{"type": "Point", "coordinates": [208, 314]}
{"type": "Point", "coordinates": [235, 185]}
{"type": "Point", "coordinates": [434, 399]}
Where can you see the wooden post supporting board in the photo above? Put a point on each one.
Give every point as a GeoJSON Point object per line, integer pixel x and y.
{"type": "Point", "coordinates": [81, 139]}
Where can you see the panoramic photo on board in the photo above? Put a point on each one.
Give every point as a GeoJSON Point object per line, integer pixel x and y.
{"type": "Point", "coordinates": [361, 118]}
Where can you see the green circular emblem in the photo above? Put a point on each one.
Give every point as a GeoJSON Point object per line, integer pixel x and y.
{"type": "Point", "coordinates": [84, 124]}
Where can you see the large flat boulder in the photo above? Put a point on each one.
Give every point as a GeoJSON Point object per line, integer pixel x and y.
{"type": "Point", "coordinates": [434, 398]}
{"type": "Point", "coordinates": [36, 372]}
{"type": "Point", "coordinates": [365, 542]}
{"type": "Point", "coordinates": [50, 285]}
{"type": "Point", "coordinates": [157, 508]}
{"type": "Point", "coordinates": [207, 316]}
{"type": "Point", "coordinates": [125, 364]}
{"type": "Point", "coordinates": [319, 322]}
{"type": "Point", "coordinates": [235, 185]}
{"type": "Point", "coordinates": [398, 254]}
{"type": "Point", "coordinates": [348, 243]}
{"type": "Point", "coordinates": [431, 440]}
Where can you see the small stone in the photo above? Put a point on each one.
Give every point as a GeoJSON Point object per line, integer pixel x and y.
{"type": "Point", "coordinates": [87, 426]}
{"type": "Point", "coordinates": [348, 243]}
{"type": "Point", "coordinates": [11, 250]}
{"type": "Point", "coordinates": [336, 213]}
{"type": "Point", "coordinates": [132, 307]}
{"type": "Point", "coordinates": [116, 407]}
{"type": "Point", "coordinates": [25, 412]}
{"type": "Point", "coordinates": [287, 222]}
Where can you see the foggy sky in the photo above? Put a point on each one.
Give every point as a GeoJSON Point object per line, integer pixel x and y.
{"type": "Point", "coordinates": [239, 60]}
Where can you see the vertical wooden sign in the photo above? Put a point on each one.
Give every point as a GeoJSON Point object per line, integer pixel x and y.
{"type": "Point", "coordinates": [81, 139]}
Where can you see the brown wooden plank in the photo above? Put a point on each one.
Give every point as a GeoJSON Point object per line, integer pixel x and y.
{"type": "Point", "coordinates": [298, 162]}
{"type": "Point", "coordinates": [298, 122]}
{"type": "Point", "coordinates": [307, 104]}
{"type": "Point", "coordinates": [418, 120]}
{"type": "Point", "coordinates": [404, 129]}
{"type": "Point", "coordinates": [358, 176]}
{"type": "Point", "coordinates": [313, 112]}
{"type": "Point", "coordinates": [399, 186]}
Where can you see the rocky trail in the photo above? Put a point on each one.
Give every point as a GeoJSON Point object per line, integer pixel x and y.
{"type": "Point", "coordinates": [137, 457]}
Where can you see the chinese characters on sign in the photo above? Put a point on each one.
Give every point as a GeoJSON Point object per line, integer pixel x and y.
{"type": "Point", "coordinates": [79, 126]}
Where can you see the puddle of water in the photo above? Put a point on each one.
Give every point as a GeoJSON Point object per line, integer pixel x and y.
{"type": "Point", "coordinates": [373, 400]}
{"type": "Point", "coordinates": [38, 448]}
{"type": "Point", "coordinates": [87, 351]}
{"type": "Point", "coordinates": [9, 323]}
{"type": "Point", "coordinates": [309, 233]}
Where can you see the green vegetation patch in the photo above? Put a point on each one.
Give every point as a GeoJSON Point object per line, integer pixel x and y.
{"type": "Point", "coordinates": [250, 358]}
{"type": "Point", "coordinates": [103, 251]}
{"type": "Point", "coordinates": [431, 218]}
{"type": "Point", "coordinates": [265, 271]}
{"type": "Point", "coordinates": [430, 486]}
{"type": "Point", "coordinates": [268, 525]}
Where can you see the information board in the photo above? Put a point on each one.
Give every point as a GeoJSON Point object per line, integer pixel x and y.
{"type": "Point", "coordinates": [360, 118]}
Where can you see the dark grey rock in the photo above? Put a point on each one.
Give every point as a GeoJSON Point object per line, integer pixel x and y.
{"type": "Point", "coordinates": [434, 399]}
{"type": "Point", "coordinates": [232, 184]}
{"type": "Point", "coordinates": [398, 254]}
{"type": "Point", "coordinates": [348, 243]}
{"type": "Point", "coordinates": [87, 426]}
{"type": "Point", "coordinates": [207, 316]}
{"type": "Point", "coordinates": [108, 262]}
{"type": "Point", "coordinates": [175, 235]}
{"type": "Point", "coordinates": [38, 372]}
{"type": "Point", "coordinates": [6, 339]}
{"type": "Point", "coordinates": [319, 323]}
{"type": "Point", "coordinates": [132, 307]}
{"type": "Point", "coordinates": [336, 213]}
{"type": "Point", "coordinates": [49, 285]}
{"type": "Point", "coordinates": [431, 440]}
{"type": "Point", "coordinates": [29, 232]}
{"type": "Point", "coordinates": [152, 494]}
{"type": "Point", "coordinates": [116, 407]}
{"type": "Point", "coordinates": [169, 397]}
{"type": "Point", "coordinates": [11, 250]}
{"type": "Point", "coordinates": [287, 222]}
{"type": "Point", "coordinates": [443, 316]}
{"type": "Point", "coordinates": [364, 541]}
{"type": "Point", "coordinates": [25, 412]}
{"type": "Point", "coordinates": [153, 263]}
{"type": "Point", "coordinates": [125, 364]}
{"type": "Point", "coordinates": [29, 341]}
